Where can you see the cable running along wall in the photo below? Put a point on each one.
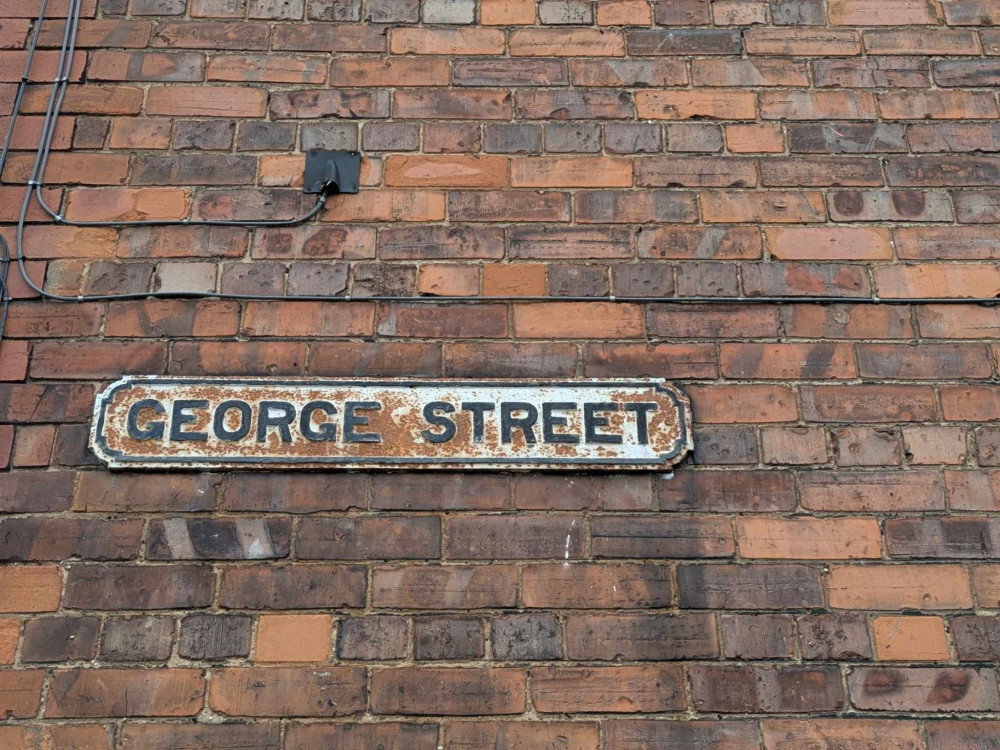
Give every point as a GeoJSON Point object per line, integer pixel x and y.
{"type": "Point", "coordinates": [35, 185]}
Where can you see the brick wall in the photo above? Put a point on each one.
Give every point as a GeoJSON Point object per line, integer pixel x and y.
{"type": "Point", "coordinates": [819, 575]}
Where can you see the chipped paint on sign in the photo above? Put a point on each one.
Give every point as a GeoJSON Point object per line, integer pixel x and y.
{"type": "Point", "coordinates": [195, 423]}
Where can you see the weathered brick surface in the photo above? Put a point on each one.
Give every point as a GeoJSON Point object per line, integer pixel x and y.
{"type": "Point", "coordinates": [822, 572]}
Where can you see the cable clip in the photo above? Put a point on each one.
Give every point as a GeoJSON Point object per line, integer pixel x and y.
{"type": "Point", "coordinates": [611, 298]}
{"type": "Point", "coordinates": [32, 183]}
{"type": "Point", "coordinates": [57, 218]}
{"type": "Point", "coordinates": [186, 220]}
{"type": "Point", "coordinates": [79, 298]}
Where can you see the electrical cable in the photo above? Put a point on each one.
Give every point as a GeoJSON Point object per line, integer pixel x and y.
{"type": "Point", "coordinates": [35, 185]}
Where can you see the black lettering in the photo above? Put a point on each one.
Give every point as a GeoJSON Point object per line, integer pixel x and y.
{"type": "Point", "coordinates": [437, 420]}
{"type": "Point", "coordinates": [324, 431]}
{"type": "Point", "coordinates": [352, 420]}
{"type": "Point", "coordinates": [179, 418]}
{"type": "Point", "coordinates": [219, 420]}
{"type": "Point", "coordinates": [591, 422]}
{"type": "Point", "coordinates": [641, 420]}
{"type": "Point", "coordinates": [550, 421]}
{"type": "Point", "coordinates": [153, 429]}
{"type": "Point", "coordinates": [508, 421]}
{"type": "Point", "coordinates": [282, 420]}
{"type": "Point", "coordinates": [478, 409]}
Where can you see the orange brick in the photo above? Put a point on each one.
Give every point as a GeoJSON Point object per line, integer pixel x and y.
{"type": "Point", "coordinates": [79, 168]}
{"type": "Point", "coordinates": [10, 630]}
{"type": "Point", "coordinates": [623, 13]}
{"type": "Point", "coordinates": [899, 587]}
{"type": "Point", "coordinates": [386, 205]}
{"type": "Point", "coordinates": [513, 280]}
{"type": "Point", "coordinates": [507, 12]}
{"type": "Point", "coordinates": [36, 588]}
{"type": "Point", "coordinates": [442, 279]}
{"type": "Point", "coordinates": [809, 538]}
{"type": "Point", "coordinates": [929, 280]}
{"type": "Point", "coordinates": [772, 206]}
{"type": "Point", "coordinates": [566, 43]}
{"type": "Point", "coordinates": [571, 171]}
{"type": "Point", "coordinates": [725, 404]}
{"type": "Point", "coordinates": [918, 638]}
{"type": "Point", "coordinates": [882, 12]}
{"type": "Point", "coordinates": [447, 171]}
{"type": "Point", "coordinates": [592, 320]}
{"type": "Point", "coordinates": [288, 638]}
{"type": "Point", "coordinates": [835, 243]}
{"type": "Point", "coordinates": [938, 105]}
{"type": "Point", "coordinates": [127, 204]}
{"type": "Point", "coordinates": [206, 101]}
{"type": "Point", "coordinates": [720, 104]}
{"type": "Point", "coordinates": [428, 41]}
{"type": "Point", "coordinates": [762, 138]}
{"type": "Point", "coordinates": [144, 133]}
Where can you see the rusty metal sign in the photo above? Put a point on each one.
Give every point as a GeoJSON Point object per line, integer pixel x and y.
{"type": "Point", "coordinates": [197, 423]}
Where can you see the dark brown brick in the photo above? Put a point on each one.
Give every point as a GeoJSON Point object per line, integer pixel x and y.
{"type": "Point", "coordinates": [671, 537]}
{"type": "Point", "coordinates": [368, 538]}
{"type": "Point", "coordinates": [372, 638]}
{"type": "Point", "coordinates": [437, 638]}
{"type": "Point", "coordinates": [641, 637]}
{"type": "Point", "coordinates": [140, 638]}
{"type": "Point", "coordinates": [59, 538]}
{"type": "Point", "coordinates": [218, 539]}
{"type": "Point", "coordinates": [450, 692]}
{"type": "Point", "coordinates": [57, 639]}
{"type": "Point", "coordinates": [754, 689]}
{"type": "Point", "coordinates": [215, 636]}
{"type": "Point", "coordinates": [749, 586]}
{"type": "Point", "coordinates": [292, 587]}
{"type": "Point", "coordinates": [139, 587]}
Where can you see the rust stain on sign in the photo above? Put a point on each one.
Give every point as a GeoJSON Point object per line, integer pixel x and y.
{"type": "Point", "coordinates": [196, 423]}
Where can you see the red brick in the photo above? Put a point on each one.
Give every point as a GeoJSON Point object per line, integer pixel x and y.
{"type": "Point", "coordinates": [127, 204]}
{"type": "Point", "coordinates": [727, 491]}
{"type": "Point", "coordinates": [577, 320]}
{"type": "Point", "coordinates": [866, 491]}
{"type": "Point", "coordinates": [436, 41]}
{"type": "Point", "coordinates": [723, 404]}
{"type": "Point", "coordinates": [36, 588]}
{"type": "Point", "coordinates": [206, 101]}
{"type": "Point", "coordinates": [790, 734]}
{"type": "Point", "coordinates": [237, 358]}
{"type": "Point", "coordinates": [94, 360]}
{"type": "Point", "coordinates": [507, 12]}
{"type": "Point", "coordinates": [809, 538]}
{"type": "Point", "coordinates": [292, 587]}
{"type": "Point", "coordinates": [125, 692]}
{"type": "Point", "coordinates": [516, 734]}
{"type": "Point", "coordinates": [868, 403]}
{"type": "Point", "coordinates": [87, 99]}
{"type": "Point", "coordinates": [593, 586]}
{"type": "Point", "coordinates": [720, 104]}
{"type": "Point", "coordinates": [635, 734]}
{"type": "Point", "coordinates": [20, 693]}
{"type": "Point", "coordinates": [632, 689]}
{"type": "Point", "coordinates": [257, 736]}
{"type": "Point", "coordinates": [450, 692]}
{"type": "Point", "coordinates": [444, 587]}
{"type": "Point", "coordinates": [660, 360]}
{"type": "Point", "coordinates": [899, 587]}
{"type": "Point", "coordinates": [288, 691]}
{"type": "Point", "coordinates": [567, 43]}
{"type": "Point", "coordinates": [446, 171]}
{"type": "Point", "coordinates": [268, 68]}
{"type": "Point", "coordinates": [571, 171]}
{"type": "Point", "coordinates": [802, 42]}
{"type": "Point", "coordinates": [787, 361]}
